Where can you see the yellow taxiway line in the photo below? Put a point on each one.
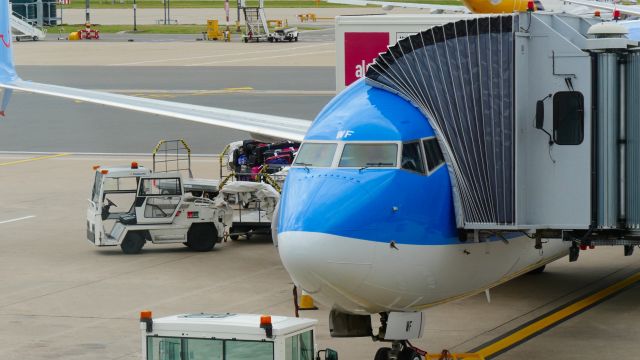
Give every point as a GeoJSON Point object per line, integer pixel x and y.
{"type": "Point", "coordinates": [45, 157]}
{"type": "Point", "coordinates": [544, 322]}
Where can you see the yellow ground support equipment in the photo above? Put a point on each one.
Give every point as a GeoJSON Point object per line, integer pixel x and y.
{"type": "Point", "coordinates": [307, 17]}
{"type": "Point", "coordinates": [277, 23]}
{"type": "Point", "coordinates": [213, 30]}
{"type": "Point", "coordinates": [445, 355]}
{"type": "Point", "coordinates": [306, 302]}
{"type": "Point", "coordinates": [74, 36]}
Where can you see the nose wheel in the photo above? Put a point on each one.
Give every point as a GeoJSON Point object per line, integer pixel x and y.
{"type": "Point", "coordinates": [399, 350]}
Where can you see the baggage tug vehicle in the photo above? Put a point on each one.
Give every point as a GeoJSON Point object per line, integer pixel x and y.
{"type": "Point", "coordinates": [130, 206]}
{"type": "Point", "coordinates": [228, 336]}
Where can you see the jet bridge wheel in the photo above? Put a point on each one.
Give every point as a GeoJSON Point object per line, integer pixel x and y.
{"type": "Point", "coordinates": [201, 237]}
{"type": "Point", "coordinates": [407, 353]}
{"type": "Point", "coordinates": [132, 243]}
{"type": "Point", "coordinates": [382, 354]}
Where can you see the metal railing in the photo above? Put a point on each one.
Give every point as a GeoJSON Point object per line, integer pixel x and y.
{"type": "Point", "coordinates": [26, 27]}
{"type": "Point", "coordinates": [34, 16]}
{"type": "Point", "coordinates": [170, 155]}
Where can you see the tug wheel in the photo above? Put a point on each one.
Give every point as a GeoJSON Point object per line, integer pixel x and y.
{"type": "Point", "coordinates": [409, 354]}
{"type": "Point", "coordinates": [132, 243]}
{"type": "Point", "coordinates": [201, 237]}
{"type": "Point", "coordinates": [382, 354]}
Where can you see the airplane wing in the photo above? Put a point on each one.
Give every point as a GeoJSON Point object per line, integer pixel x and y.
{"type": "Point", "coordinates": [268, 126]}
{"type": "Point", "coordinates": [625, 9]}
{"type": "Point", "coordinates": [390, 5]}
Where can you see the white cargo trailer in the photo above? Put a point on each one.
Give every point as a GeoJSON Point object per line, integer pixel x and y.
{"type": "Point", "coordinates": [359, 39]}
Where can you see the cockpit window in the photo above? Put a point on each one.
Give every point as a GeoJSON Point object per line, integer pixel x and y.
{"type": "Point", "coordinates": [316, 154]}
{"type": "Point", "coordinates": [411, 157]}
{"type": "Point", "coordinates": [433, 153]}
{"type": "Point", "coordinates": [369, 155]}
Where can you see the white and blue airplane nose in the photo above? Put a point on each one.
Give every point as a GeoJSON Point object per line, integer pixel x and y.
{"type": "Point", "coordinates": [344, 230]}
{"type": "Point", "coordinates": [345, 235]}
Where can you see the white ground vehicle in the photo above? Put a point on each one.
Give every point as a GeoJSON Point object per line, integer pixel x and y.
{"type": "Point", "coordinates": [132, 205]}
{"type": "Point", "coordinates": [254, 204]}
{"type": "Point", "coordinates": [229, 337]}
{"type": "Point", "coordinates": [288, 34]}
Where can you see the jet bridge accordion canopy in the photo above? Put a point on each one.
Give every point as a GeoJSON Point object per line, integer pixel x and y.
{"type": "Point", "coordinates": [461, 76]}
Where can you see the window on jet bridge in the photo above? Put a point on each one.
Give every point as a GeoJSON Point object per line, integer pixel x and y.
{"type": "Point", "coordinates": [568, 118]}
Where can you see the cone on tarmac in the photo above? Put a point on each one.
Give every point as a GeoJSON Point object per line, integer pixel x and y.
{"type": "Point", "coordinates": [306, 302]}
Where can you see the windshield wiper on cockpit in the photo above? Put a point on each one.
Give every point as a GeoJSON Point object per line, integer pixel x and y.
{"type": "Point", "coordinates": [378, 164]}
{"type": "Point", "coordinates": [305, 165]}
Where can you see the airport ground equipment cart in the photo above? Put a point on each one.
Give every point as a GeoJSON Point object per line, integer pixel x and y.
{"type": "Point", "coordinates": [131, 205]}
{"type": "Point", "coordinates": [253, 203]}
{"type": "Point", "coordinates": [289, 34]}
{"type": "Point", "coordinates": [228, 336]}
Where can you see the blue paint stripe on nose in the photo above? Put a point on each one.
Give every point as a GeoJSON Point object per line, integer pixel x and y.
{"type": "Point", "coordinates": [364, 113]}
{"type": "Point", "coordinates": [373, 204]}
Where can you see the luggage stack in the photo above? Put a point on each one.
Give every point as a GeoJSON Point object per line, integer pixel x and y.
{"type": "Point", "coordinates": [254, 157]}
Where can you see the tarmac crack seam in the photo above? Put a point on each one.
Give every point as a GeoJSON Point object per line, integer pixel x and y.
{"type": "Point", "coordinates": [547, 304]}
{"type": "Point", "coordinates": [216, 56]}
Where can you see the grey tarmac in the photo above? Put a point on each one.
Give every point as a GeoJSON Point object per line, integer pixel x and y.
{"type": "Point", "coordinates": [62, 298]}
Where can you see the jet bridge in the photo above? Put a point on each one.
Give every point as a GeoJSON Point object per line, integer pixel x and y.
{"type": "Point", "coordinates": [538, 117]}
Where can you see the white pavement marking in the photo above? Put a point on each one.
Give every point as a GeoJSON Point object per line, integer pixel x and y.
{"type": "Point", "coordinates": [263, 57]}
{"type": "Point", "coordinates": [218, 56]}
{"type": "Point", "coordinates": [17, 219]}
